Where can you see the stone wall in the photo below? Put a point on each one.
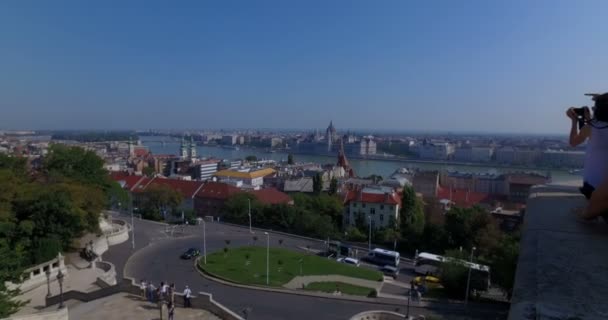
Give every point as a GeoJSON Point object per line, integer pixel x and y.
{"type": "Point", "coordinates": [36, 275]}
{"type": "Point", "coordinates": [109, 273]}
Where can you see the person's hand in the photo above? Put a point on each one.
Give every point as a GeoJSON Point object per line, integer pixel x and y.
{"type": "Point", "coordinates": [587, 114]}
{"type": "Point", "coordinates": [571, 114]}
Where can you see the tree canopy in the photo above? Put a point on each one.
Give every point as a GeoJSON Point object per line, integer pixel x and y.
{"type": "Point", "coordinates": [43, 209]}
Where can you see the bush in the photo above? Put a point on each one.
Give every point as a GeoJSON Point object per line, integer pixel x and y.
{"type": "Point", "coordinates": [373, 294]}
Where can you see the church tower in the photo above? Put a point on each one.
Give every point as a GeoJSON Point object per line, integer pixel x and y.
{"type": "Point", "coordinates": [131, 148]}
{"type": "Point", "coordinates": [330, 136]}
{"type": "Point", "coordinates": [183, 151]}
{"type": "Point", "coordinates": [192, 148]}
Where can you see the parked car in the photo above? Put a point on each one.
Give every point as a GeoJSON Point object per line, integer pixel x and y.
{"type": "Point", "coordinates": [190, 253]}
{"type": "Point", "coordinates": [390, 271]}
{"type": "Point", "coordinates": [352, 261]}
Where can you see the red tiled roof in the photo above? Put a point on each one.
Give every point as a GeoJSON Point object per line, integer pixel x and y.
{"type": "Point", "coordinates": [141, 185]}
{"type": "Point", "coordinates": [462, 197]}
{"type": "Point", "coordinates": [217, 190]}
{"type": "Point", "coordinates": [360, 196]}
{"type": "Point", "coordinates": [126, 180]}
{"type": "Point", "coordinates": [186, 188]}
{"type": "Point", "coordinates": [141, 151]}
{"type": "Point", "coordinates": [271, 196]}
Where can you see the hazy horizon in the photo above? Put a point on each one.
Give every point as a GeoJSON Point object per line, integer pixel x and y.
{"type": "Point", "coordinates": [442, 66]}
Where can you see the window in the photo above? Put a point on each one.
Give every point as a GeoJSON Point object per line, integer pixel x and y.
{"type": "Point", "coordinates": [381, 207]}
{"type": "Point", "coordinates": [372, 210]}
{"type": "Point", "coordinates": [363, 205]}
{"type": "Point", "coordinates": [354, 204]}
{"type": "Point", "coordinates": [381, 217]}
{"type": "Point", "coordinates": [390, 207]}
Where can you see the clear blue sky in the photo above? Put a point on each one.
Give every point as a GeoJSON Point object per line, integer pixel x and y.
{"type": "Point", "coordinates": [504, 66]}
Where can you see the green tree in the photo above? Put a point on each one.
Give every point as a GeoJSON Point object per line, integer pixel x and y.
{"type": "Point", "coordinates": [251, 158]}
{"type": "Point", "coordinates": [149, 171]}
{"type": "Point", "coordinates": [454, 274]}
{"type": "Point", "coordinates": [236, 209]}
{"type": "Point", "coordinates": [503, 262]}
{"type": "Point", "coordinates": [160, 199]}
{"type": "Point", "coordinates": [290, 159]}
{"type": "Point", "coordinates": [412, 214]}
{"type": "Point", "coordinates": [317, 183]}
{"type": "Point", "coordinates": [10, 270]}
{"type": "Point", "coordinates": [333, 186]}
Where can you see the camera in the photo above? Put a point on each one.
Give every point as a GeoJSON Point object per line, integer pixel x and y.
{"type": "Point", "coordinates": [580, 115]}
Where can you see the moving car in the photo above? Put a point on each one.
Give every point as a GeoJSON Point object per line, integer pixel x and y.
{"type": "Point", "coordinates": [429, 279]}
{"type": "Point", "coordinates": [352, 261]}
{"type": "Point", "coordinates": [190, 253]}
{"type": "Point", "coordinates": [390, 271]}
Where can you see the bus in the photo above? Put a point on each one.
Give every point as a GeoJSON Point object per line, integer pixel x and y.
{"type": "Point", "coordinates": [430, 264]}
{"type": "Point", "coordinates": [384, 257]}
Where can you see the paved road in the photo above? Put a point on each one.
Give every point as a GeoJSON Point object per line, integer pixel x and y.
{"type": "Point", "coordinates": [157, 258]}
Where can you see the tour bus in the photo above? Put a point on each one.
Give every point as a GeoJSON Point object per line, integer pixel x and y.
{"type": "Point", "coordinates": [384, 257]}
{"type": "Point", "coordinates": [428, 263]}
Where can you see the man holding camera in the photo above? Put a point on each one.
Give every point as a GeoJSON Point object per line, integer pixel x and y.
{"type": "Point", "coordinates": [594, 130]}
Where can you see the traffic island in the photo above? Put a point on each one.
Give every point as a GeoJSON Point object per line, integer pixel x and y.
{"type": "Point", "coordinates": [248, 266]}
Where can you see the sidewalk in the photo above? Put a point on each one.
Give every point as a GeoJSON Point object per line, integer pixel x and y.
{"type": "Point", "coordinates": [76, 279]}
{"type": "Point", "coordinates": [127, 306]}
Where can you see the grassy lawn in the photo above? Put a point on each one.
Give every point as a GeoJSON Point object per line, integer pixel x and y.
{"type": "Point", "coordinates": [344, 288]}
{"type": "Point", "coordinates": [234, 266]}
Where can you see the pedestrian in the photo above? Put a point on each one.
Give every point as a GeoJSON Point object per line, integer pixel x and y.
{"type": "Point", "coordinates": [163, 291]}
{"type": "Point", "coordinates": [172, 293]}
{"type": "Point", "coordinates": [142, 286]}
{"type": "Point", "coordinates": [150, 292]}
{"type": "Point", "coordinates": [171, 310]}
{"type": "Point", "coordinates": [187, 295]}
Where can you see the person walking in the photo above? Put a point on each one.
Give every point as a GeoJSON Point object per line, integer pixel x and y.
{"type": "Point", "coordinates": [172, 293]}
{"type": "Point", "coordinates": [151, 292]}
{"type": "Point", "coordinates": [163, 291]}
{"type": "Point", "coordinates": [187, 296]}
{"type": "Point", "coordinates": [171, 310]}
{"type": "Point", "coordinates": [142, 286]}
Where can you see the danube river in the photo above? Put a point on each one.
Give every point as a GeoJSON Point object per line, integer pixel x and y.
{"type": "Point", "coordinates": [362, 167]}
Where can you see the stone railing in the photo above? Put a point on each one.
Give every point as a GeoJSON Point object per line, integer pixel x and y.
{"type": "Point", "coordinates": [561, 271]}
{"type": "Point", "coordinates": [36, 276]}
{"type": "Point", "coordinates": [108, 276]}
{"type": "Point", "coordinates": [202, 300]}
{"type": "Point", "coordinates": [119, 232]}
{"type": "Point", "coordinates": [378, 315]}
{"type": "Point", "coordinates": [59, 314]}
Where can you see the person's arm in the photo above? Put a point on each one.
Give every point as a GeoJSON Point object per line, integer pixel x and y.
{"type": "Point", "coordinates": [577, 136]}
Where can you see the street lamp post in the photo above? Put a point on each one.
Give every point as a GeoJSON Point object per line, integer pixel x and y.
{"type": "Point", "coordinates": [48, 281]}
{"type": "Point", "coordinates": [132, 224]}
{"type": "Point", "coordinates": [466, 298]}
{"type": "Point", "coordinates": [204, 242]}
{"type": "Point", "coordinates": [370, 233]}
{"type": "Point", "coordinates": [267, 258]}
{"type": "Point", "coordinates": [249, 202]}
{"type": "Point", "coordinates": [60, 280]}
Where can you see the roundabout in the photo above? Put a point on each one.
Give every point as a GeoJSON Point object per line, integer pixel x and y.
{"type": "Point", "coordinates": [158, 260]}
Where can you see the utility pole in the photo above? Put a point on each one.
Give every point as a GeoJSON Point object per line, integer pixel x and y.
{"type": "Point", "coordinates": [466, 299]}
{"type": "Point", "coordinates": [132, 223]}
{"type": "Point", "coordinates": [370, 233]}
{"type": "Point", "coordinates": [249, 202]}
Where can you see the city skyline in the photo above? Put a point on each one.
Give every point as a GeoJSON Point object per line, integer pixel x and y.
{"type": "Point", "coordinates": [409, 67]}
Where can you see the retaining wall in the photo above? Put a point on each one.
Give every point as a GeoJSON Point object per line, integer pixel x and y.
{"type": "Point", "coordinates": [109, 273]}
{"type": "Point", "coordinates": [36, 275]}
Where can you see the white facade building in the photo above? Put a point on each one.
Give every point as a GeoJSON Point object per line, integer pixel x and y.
{"type": "Point", "coordinates": [380, 205]}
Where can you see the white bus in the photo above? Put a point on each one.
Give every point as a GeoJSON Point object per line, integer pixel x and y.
{"type": "Point", "coordinates": [428, 263]}
{"type": "Point", "coordinates": [384, 257]}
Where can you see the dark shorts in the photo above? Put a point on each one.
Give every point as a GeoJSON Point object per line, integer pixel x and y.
{"type": "Point", "coordinates": [587, 190]}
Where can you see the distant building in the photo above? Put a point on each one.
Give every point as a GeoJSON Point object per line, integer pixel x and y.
{"type": "Point", "coordinates": [229, 140]}
{"type": "Point", "coordinates": [211, 198]}
{"type": "Point", "coordinates": [517, 155]}
{"type": "Point", "coordinates": [276, 142]}
{"type": "Point", "coordinates": [331, 136]}
{"type": "Point", "coordinates": [204, 170]}
{"type": "Point", "coordinates": [520, 184]}
{"type": "Point", "coordinates": [252, 178]}
{"type": "Point", "coordinates": [380, 205]}
{"type": "Point", "coordinates": [426, 183]}
{"type": "Point", "coordinates": [435, 151]}
{"type": "Point", "coordinates": [241, 140]}
{"type": "Point", "coordinates": [563, 159]}
{"type": "Point", "coordinates": [473, 154]}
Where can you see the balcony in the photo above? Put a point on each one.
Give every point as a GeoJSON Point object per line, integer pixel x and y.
{"type": "Point", "coordinates": [563, 264]}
